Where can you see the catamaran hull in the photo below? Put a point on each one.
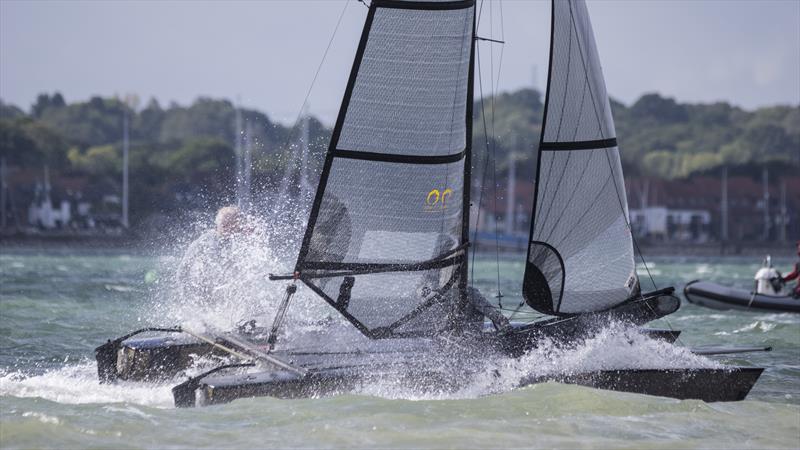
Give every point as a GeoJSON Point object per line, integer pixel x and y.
{"type": "Point", "coordinates": [576, 328]}
{"type": "Point", "coordinates": [412, 362]}
{"type": "Point", "coordinates": [715, 296]}
{"type": "Point", "coordinates": [165, 357]}
{"type": "Point", "coordinates": [710, 385]}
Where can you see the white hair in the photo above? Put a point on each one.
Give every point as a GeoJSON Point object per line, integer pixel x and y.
{"type": "Point", "coordinates": [225, 215]}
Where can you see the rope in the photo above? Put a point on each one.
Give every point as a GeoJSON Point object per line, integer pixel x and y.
{"type": "Point", "coordinates": [316, 74]}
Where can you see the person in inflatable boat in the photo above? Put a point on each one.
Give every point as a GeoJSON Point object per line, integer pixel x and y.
{"type": "Point", "coordinates": [795, 275]}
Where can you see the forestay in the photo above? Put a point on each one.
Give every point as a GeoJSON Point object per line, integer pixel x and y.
{"type": "Point", "coordinates": [580, 255]}
{"type": "Point", "coordinates": [386, 239]}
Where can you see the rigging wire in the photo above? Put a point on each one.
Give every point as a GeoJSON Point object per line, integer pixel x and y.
{"type": "Point", "coordinates": [486, 142]}
{"type": "Point", "coordinates": [491, 148]}
{"type": "Point", "coordinates": [316, 74]}
{"type": "Point", "coordinates": [499, 295]}
{"type": "Point", "coordinates": [485, 164]}
{"type": "Point", "coordinates": [500, 64]}
{"type": "Point", "coordinates": [486, 161]}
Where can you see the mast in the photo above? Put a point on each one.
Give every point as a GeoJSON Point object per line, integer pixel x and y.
{"type": "Point", "coordinates": [765, 183]}
{"type": "Point", "coordinates": [784, 215]}
{"type": "Point", "coordinates": [510, 198]}
{"type": "Point", "coordinates": [467, 180]}
{"type": "Point", "coordinates": [237, 150]}
{"type": "Point", "coordinates": [125, 145]}
{"type": "Point", "coordinates": [724, 206]}
{"type": "Point", "coordinates": [247, 164]}
{"type": "Point", "coordinates": [3, 193]}
{"type": "Point", "coordinates": [47, 205]}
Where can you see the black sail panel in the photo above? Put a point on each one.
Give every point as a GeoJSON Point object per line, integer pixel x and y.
{"type": "Point", "coordinates": [386, 241]}
{"type": "Point", "coordinates": [580, 255]}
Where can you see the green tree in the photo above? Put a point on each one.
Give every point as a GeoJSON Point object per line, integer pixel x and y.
{"type": "Point", "coordinates": [662, 164]}
{"type": "Point", "coordinates": [200, 160]}
{"type": "Point", "coordinates": [45, 102]}
{"type": "Point", "coordinates": [100, 160]}
{"type": "Point", "coordinates": [9, 111]}
{"type": "Point", "coordinates": [30, 143]}
{"type": "Point", "coordinates": [653, 107]}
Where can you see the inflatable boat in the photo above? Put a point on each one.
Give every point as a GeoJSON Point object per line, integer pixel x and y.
{"type": "Point", "coordinates": [713, 295]}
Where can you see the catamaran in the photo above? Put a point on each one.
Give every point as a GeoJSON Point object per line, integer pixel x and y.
{"type": "Point", "coordinates": [388, 235]}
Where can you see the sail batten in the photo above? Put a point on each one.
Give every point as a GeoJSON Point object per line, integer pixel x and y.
{"type": "Point", "coordinates": [386, 241]}
{"type": "Point", "coordinates": [579, 145]}
{"type": "Point", "coordinates": [580, 255]}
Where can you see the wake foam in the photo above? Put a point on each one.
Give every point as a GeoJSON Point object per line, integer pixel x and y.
{"type": "Point", "coordinates": [615, 347]}
{"type": "Point", "coordinates": [77, 384]}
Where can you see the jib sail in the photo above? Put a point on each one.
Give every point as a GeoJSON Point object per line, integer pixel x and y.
{"type": "Point", "coordinates": [386, 238]}
{"type": "Point", "coordinates": [580, 255]}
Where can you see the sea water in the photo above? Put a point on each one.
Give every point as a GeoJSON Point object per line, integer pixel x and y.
{"type": "Point", "coordinates": [57, 306]}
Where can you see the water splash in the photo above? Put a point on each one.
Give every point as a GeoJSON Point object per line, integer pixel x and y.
{"type": "Point", "coordinates": [615, 347]}
{"type": "Point", "coordinates": [77, 384]}
{"type": "Point", "coordinates": [221, 286]}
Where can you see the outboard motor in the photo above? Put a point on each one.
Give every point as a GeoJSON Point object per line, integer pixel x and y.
{"type": "Point", "coordinates": [768, 280]}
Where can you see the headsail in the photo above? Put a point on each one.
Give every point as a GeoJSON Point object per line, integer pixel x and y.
{"type": "Point", "coordinates": [580, 255]}
{"type": "Point", "coordinates": [386, 239]}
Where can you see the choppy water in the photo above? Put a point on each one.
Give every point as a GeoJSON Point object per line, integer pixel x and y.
{"type": "Point", "coordinates": [55, 307]}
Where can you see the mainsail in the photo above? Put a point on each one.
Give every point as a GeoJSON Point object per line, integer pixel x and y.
{"type": "Point", "coordinates": [386, 239]}
{"type": "Point", "coordinates": [580, 255]}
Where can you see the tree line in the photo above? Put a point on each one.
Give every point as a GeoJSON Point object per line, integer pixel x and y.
{"type": "Point", "coordinates": [192, 147]}
{"type": "Point", "coordinates": [658, 136]}
{"type": "Point", "coordinates": [177, 149]}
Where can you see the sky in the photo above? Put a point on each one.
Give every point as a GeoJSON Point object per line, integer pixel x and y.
{"type": "Point", "coordinates": [266, 53]}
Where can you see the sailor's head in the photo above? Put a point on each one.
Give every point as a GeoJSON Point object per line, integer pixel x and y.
{"type": "Point", "coordinates": [231, 221]}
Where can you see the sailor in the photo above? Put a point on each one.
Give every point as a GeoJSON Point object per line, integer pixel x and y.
{"type": "Point", "coordinates": [767, 279]}
{"type": "Point", "coordinates": [795, 275]}
{"type": "Point", "coordinates": [209, 261]}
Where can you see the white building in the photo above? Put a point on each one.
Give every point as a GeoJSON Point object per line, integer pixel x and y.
{"type": "Point", "coordinates": [43, 214]}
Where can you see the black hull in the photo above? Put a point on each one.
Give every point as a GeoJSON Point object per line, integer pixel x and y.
{"type": "Point", "coordinates": [710, 385]}
{"type": "Point", "coordinates": [149, 359]}
{"type": "Point", "coordinates": [570, 329]}
{"type": "Point", "coordinates": [715, 296]}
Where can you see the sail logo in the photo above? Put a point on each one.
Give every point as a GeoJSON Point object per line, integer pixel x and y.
{"type": "Point", "coordinates": [631, 283]}
{"type": "Point", "coordinates": [436, 200]}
